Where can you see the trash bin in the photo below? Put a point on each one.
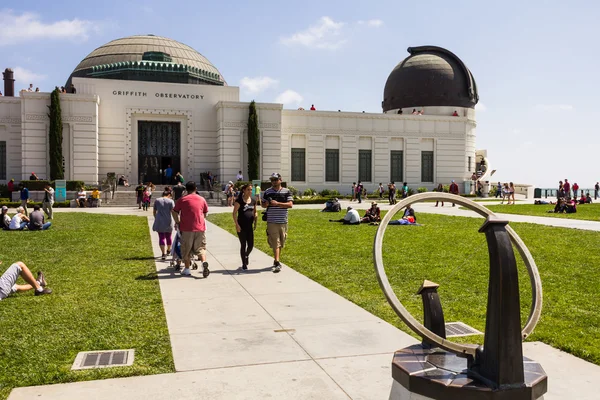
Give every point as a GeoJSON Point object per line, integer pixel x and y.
{"type": "Point", "coordinates": [537, 193]}
{"type": "Point", "coordinates": [467, 187]}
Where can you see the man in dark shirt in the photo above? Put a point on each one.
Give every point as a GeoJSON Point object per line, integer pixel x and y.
{"type": "Point", "coordinates": [277, 200]}
{"type": "Point", "coordinates": [24, 197]}
{"type": "Point", "coordinates": [36, 220]}
{"type": "Point", "coordinates": [178, 191]}
{"type": "Point", "coordinates": [139, 194]}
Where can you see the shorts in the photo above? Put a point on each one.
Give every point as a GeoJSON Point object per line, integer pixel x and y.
{"type": "Point", "coordinates": [276, 235]}
{"type": "Point", "coordinates": [9, 279]}
{"type": "Point", "coordinates": [192, 243]}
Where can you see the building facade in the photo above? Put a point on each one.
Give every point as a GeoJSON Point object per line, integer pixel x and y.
{"type": "Point", "coordinates": [135, 112]}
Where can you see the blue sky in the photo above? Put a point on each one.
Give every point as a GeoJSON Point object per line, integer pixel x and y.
{"type": "Point", "coordinates": [536, 63]}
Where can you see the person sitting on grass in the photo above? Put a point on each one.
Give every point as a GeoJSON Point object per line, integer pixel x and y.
{"type": "Point", "coordinates": [372, 215]}
{"type": "Point", "coordinates": [5, 222]}
{"type": "Point", "coordinates": [560, 207]}
{"type": "Point", "coordinates": [332, 205]}
{"type": "Point", "coordinates": [36, 220]}
{"type": "Point", "coordinates": [571, 207]}
{"type": "Point", "coordinates": [8, 281]}
{"type": "Point", "coordinates": [588, 198]}
{"type": "Point", "coordinates": [351, 217]}
{"type": "Point", "coordinates": [19, 221]}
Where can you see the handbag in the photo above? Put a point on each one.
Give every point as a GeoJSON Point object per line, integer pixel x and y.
{"type": "Point", "coordinates": [264, 215]}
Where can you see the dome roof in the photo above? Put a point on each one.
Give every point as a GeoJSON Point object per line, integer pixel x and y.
{"type": "Point", "coordinates": [125, 52]}
{"type": "Point", "coordinates": [430, 76]}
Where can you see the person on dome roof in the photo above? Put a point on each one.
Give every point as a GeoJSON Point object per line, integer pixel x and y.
{"type": "Point", "coordinates": [312, 107]}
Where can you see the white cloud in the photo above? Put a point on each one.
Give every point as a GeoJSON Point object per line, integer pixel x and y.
{"type": "Point", "coordinates": [326, 34]}
{"type": "Point", "coordinates": [28, 26]}
{"type": "Point", "coordinates": [24, 77]}
{"type": "Point", "coordinates": [258, 84]}
{"type": "Point", "coordinates": [554, 107]}
{"type": "Point", "coordinates": [375, 23]}
{"type": "Point", "coordinates": [480, 107]}
{"type": "Point", "coordinates": [290, 98]}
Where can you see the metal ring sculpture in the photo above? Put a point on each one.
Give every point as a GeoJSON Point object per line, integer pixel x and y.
{"type": "Point", "coordinates": [416, 326]}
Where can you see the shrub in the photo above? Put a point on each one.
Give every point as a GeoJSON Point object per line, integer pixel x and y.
{"type": "Point", "coordinates": [294, 191]}
{"type": "Point", "coordinates": [446, 188]}
{"type": "Point", "coordinates": [411, 191]}
{"type": "Point", "coordinates": [309, 192]}
{"type": "Point", "coordinates": [422, 189]}
{"type": "Point", "coordinates": [237, 185]}
{"type": "Point", "coordinates": [493, 191]}
{"type": "Point", "coordinates": [71, 185]}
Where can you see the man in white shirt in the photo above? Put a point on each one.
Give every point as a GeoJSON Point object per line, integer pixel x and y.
{"type": "Point", "coordinates": [239, 177]}
{"type": "Point", "coordinates": [351, 217]}
{"type": "Point", "coordinates": [19, 221]}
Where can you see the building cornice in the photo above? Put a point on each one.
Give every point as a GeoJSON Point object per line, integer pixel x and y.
{"type": "Point", "coordinates": [9, 120]}
{"type": "Point", "coordinates": [244, 125]}
{"type": "Point", "coordinates": [9, 100]}
{"type": "Point", "coordinates": [245, 105]}
{"type": "Point", "coordinates": [375, 116]}
{"type": "Point", "coordinates": [345, 132]}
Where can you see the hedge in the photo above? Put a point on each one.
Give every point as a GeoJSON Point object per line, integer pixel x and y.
{"type": "Point", "coordinates": [40, 184]}
{"type": "Point", "coordinates": [15, 204]}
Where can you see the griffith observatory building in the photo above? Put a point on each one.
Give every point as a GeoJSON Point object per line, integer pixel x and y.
{"type": "Point", "coordinates": [145, 102]}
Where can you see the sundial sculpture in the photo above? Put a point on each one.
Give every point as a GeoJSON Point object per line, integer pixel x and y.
{"type": "Point", "coordinates": [441, 369]}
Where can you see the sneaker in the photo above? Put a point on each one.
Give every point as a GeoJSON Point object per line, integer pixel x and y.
{"type": "Point", "coordinates": [205, 270]}
{"type": "Point", "coordinates": [41, 279]}
{"type": "Point", "coordinates": [247, 261]}
{"type": "Point", "coordinates": [194, 266]}
{"type": "Point", "coordinates": [276, 266]}
{"type": "Point", "coordinates": [164, 257]}
{"type": "Point", "coordinates": [244, 267]}
{"type": "Point", "coordinates": [177, 267]}
{"type": "Point", "coordinates": [186, 272]}
{"type": "Point", "coordinates": [43, 291]}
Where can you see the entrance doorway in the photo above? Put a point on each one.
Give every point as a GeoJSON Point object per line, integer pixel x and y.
{"type": "Point", "coordinates": [159, 146]}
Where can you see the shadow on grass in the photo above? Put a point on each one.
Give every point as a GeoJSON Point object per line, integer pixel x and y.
{"type": "Point", "coordinates": [138, 258]}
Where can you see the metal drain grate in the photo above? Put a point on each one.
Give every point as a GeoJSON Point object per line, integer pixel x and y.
{"type": "Point", "coordinates": [456, 329]}
{"type": "Point", "coordinates": [103, 359]}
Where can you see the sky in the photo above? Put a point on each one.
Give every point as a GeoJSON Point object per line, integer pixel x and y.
{"type": "Point", "coordinates": [536, 64]}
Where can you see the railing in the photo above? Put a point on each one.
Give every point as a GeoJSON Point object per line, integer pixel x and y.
{"type": "Point", "coordinates": [547, 192]}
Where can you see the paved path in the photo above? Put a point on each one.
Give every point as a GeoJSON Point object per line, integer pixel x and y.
{"type": "Point", "coordinates": [255, 335]}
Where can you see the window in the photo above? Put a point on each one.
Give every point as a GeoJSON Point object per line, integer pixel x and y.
{"type": "Point", "coordinates": [396, 162]}
{"type": "Point", "coordinates": [298, 164]}
{"type": "Point", "coordinates": [3, 160]}
{"type": "Point", "coordinates": [469, 166]}
{"type": "Point", "coordinates": [364, 165]}
{"type": "Point", "coordinates": [332, 165]}
{"type": "Point", "coordinates": [426, 166]}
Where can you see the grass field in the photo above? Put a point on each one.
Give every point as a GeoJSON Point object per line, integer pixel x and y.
{"type": "Point", "coordinates": [105, 297]}
{"type": "Point", "coordinates": [449, 251]}
{"type": "Point", "coordinates": [590, 212]}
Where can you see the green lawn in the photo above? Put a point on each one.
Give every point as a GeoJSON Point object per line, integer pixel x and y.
{"type": "Point", "coordinates": [105, 297]}
{"type": "Point", "coordinates": [590, 212]}
{"type": "Point", "coordinates": [449, 251]}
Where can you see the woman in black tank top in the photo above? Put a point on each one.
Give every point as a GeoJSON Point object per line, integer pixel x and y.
{"type": "Point", "coordinates": [244, 216]}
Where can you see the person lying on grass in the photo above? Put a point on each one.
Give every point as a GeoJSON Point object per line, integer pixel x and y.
{"type": "Point", "coordinates": [351, 217]}
{"type": "Point", "coordinates": [409, 217]}
{"type": "Point", "coordinates": [8, 281]}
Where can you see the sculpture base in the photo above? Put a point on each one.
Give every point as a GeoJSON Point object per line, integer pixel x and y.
{"type": "Point", "coordinates": [423, 374]}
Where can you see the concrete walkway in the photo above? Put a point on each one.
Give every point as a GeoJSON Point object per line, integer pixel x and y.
{"type": "Point", "coordinates": [255, 334]}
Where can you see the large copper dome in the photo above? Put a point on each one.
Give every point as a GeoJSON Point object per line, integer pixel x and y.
{"type": "Point", "coordinates": [148, 58]}
{"type": "Point", "coordinates": [430, 76]}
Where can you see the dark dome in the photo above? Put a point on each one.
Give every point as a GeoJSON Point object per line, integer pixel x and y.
{"type": "Point", "coordinates": [430, 76]}
{"type": "Point", "coordinates": [148, 58]}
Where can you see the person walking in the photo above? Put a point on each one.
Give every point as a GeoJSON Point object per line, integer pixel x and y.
{"type": "Point", "coordinates": [596, 190]}
{"type": "Point", "coordinates": [277, 200]}
{"type": "Point", "coordinates": [168, 174]}
{"type": "Point", "coordinates": [575, 190]}
{"type": "Point", "coordinates": [163, 222]}
{"type": "Point", "coordinates": [24, 197]}
{"type": "Point", "coordinates": [48, 200]}
{"type": "Point", "coordinates": [178, 191]}
{"type": "Point", "coordinates": [511, 193]}
{"type": "Point", "coordinates": [392, 193]}
{"type": "Point", "coordinates": [190, 213]}
{"type": "Point", "coordinates": [454, 190]}
{"type": "Point", "coordinates": [499, 189]}
{"type": "Point", "coordinates": [359, 192]}
{"type": "Point", "coordinates": [353, 191]}
{"type": "Point", "coordinates": [139, 194]}
{"type": "Point", "coordinates": [244, 217]}
{"type": "Point", "coordinates": [439, 189]}
{"type": "Point", "coordinates": [380, 189]}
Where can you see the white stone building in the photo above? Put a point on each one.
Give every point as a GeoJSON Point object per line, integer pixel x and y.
{"type": "Point", "coordinates": [145, 102]}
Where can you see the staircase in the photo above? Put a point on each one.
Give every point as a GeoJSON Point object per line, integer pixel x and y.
{"type": "Point", "coordinates": [126, 197]}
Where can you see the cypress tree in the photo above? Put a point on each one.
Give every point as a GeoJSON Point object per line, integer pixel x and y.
{"type": "Point", "coordinates": [253, 143]}
{"type": "Point", "coordinates": [55, 137]}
